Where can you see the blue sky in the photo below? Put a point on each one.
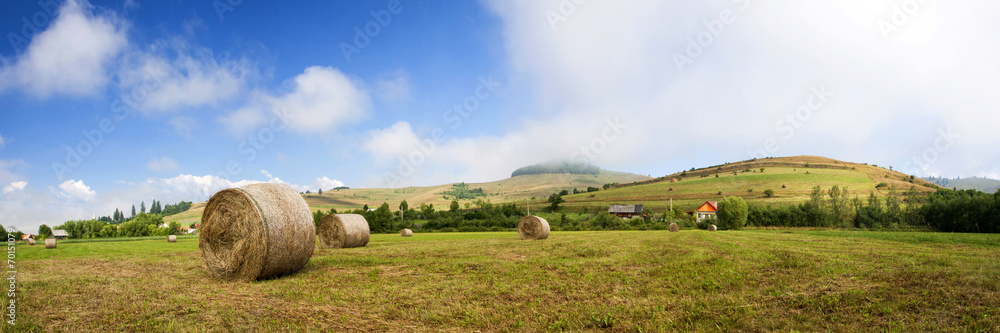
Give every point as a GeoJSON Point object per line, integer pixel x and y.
{"type": "Point", "coordinates": [109, 103]}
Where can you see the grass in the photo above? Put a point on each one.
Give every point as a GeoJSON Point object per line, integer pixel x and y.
{"type": "Point", "coordinates": [760, 280]}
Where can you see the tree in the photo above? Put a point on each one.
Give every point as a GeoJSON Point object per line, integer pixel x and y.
{"type": "Point", "coordinates": [403, 206]}
{"type": "Point", "coordinates": [320, 191]}
{"type": "Point", "coordinates": [44, 231]}
{"type": "Point", "coordinates": [142, 208]}
{"type": "Point", "coordinates": [554, 200]}
{"type": "Point", "coordinates": [454, 206]}
{"type": "Point", "coordinates": [133, 212]}
{"type": "Point", "coordinates": [366, 207]}
{"type": "Point", "coordinates": [564, 192]}
{"type": "Point", "coordinates": [768, 193]}
{"type": "Point", "coordinates": [732, 213]}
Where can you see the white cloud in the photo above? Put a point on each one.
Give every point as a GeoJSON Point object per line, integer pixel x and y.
{"type": "Point", "coordinates": [176, 75]}
{"type": "Point", "coordinates": [386, 144]}
{"type": "Point", "coordinates": [15, 187]}
{"type": "Point", "coordinates": [183, 126]}
{"type": "Point", "coordinates": [394, 88]}
{"type": "Point", "coordinates": [327, 183]}
{"type": "Point", "coordinates": [162, 164]}
{"type": "Point", "coordinates": [76, 189]}
{"type": "Point", "coordinates": [71, 57]}
{"type": "Point", "coordinates": [319, 99]}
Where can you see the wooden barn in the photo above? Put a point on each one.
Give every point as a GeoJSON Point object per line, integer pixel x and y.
{"type": "Point", "coordinates": [59, 234]}
{"type": "Point", "coordinates": [625, 211]}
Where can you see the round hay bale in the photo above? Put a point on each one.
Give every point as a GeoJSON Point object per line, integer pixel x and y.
{"type": "Point", "coordinates": [406, 233]}
{"type": "Point", "coordinates": [533, 227]}
{"type": "Point", "coordinates": [338, 231]}
{"type": "Point", "coordinates": [674, 227]}
{"type": "Point", "coordinates": [31, 241]}
{"type": "Point", "coordinates": [172, 238]}
{"type": "Point", "coordinates": [712, 228]}
{"type": "Point", "coordinates": [255, 232]}
{"type": "Point", "coordinates": [50, 243]}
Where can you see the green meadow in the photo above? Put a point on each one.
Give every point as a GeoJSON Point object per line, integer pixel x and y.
{"type": "Point", "coordinates": [640, 281]}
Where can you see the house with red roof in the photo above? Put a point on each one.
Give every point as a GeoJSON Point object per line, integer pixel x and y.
{"type": "Point", "coordinates": [706, 210]}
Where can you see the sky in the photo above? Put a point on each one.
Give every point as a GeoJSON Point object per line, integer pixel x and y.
{"type": "Point", "coordinates": [106, 104]}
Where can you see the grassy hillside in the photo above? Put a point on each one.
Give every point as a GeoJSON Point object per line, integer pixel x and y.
{"type": "Point", "coordinates": [651, 281]}
{"type": "Point", "coordinates": [798, 175]}
{"type": "Point", "coordinates": [516, 189]}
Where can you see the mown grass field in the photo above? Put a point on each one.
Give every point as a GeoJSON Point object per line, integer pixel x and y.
{"type": "Point", "coordinates": [762, 280]}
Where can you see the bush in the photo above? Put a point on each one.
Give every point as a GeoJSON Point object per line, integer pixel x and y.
{"type": "Point", "coordinates": [732, 214]}
{"type": "Point", "coordinates": [768, 193]}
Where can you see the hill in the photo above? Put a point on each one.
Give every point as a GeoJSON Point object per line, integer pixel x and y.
{"type": "Point", "coordinates": [972, 183]}
{"type": "Point", "coordinates": [791, 179]}
{"type": "Point", "coordinates": [514, 189]}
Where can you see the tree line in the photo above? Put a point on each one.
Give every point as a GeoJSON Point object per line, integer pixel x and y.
{"type": "Point", "coordinates": [570, 167]}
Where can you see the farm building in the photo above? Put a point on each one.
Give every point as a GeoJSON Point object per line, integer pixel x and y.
{"type": "Point", "coordinates": [705, 211]}
{"type": "Point", "coordinates": [625, 211]}
{"type": "Point", "coordinates": [59, 234]}
{"type": "Point", "coordinates": [27, 236]}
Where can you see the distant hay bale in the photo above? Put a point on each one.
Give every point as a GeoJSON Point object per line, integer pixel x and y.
{"type": "Point", "coordinates": [172, 238]}
{"type": "Point", "coordinates": [50, 243]}
{"type": "Point", "coordinates": [406, 233]}
{"type": "Point", "coordinates": [674, 227]}
{"type": "Point", "coordinates": [712, 228]}
{"type": "Point", "coordinates": [338, 231]}
{"type": "Point", "coordinates": [533, 227]}
{"type": "Point", "coordinates": [31, 241]}
{"type": "Point", "coordinates": [255, 232]}
{"type": "Point", "coordinates": [673, 180]}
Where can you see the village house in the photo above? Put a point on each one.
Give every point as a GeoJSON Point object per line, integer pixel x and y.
{"type": "Point", "coordinates": [625, 211]}
{"type": "Point", "coordinates": [705, 211]}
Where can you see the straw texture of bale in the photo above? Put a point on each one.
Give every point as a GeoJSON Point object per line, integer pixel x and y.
{"type": "Point", "coordinates": [338, 231]}
{"type": "Point", "coordinates": [674, 227]}
{"type": "Point", "coordinates": [712, 228]}
{"type": "Point", "coordinates": [406, 233]}
{"type": "Point", "coordinates": [533, 227]}
{"type": "Point", "coordinates": [50, 243]}
{"type": "Point", "coordinates": [256, 231]}
{"type": "Point", "coordinates": [172, 238]}
{"type": "Point", "coordinates": [31, 241]}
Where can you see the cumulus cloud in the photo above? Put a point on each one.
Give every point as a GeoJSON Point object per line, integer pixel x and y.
{"type": "Point", "coordinates": [71, 56]}
{"type": "Point", "coordinates": [327, 183]}
{"type": "Point", "coordinates": [15, 187]}
{"type": "Point", "coordinates": [162, 164]}
{"type": "Point", "coordinates": [77, 190]}
{"type": "Point", "coordinates": [319, 99]}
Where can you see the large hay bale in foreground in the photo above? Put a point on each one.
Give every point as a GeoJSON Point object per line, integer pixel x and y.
{"type": "Point", "coordinates": [256, 231]}
{"type": "Point", "coordinates": [172, 238]}
{"type": "Point", "coordinates": [50, 243]}
{"type": "Point", "coordinates": [712, 228]}
{"type": "Point", "coordinates": [406, 233]}
{"type": "Point", "coordinates": [533, 227]}
{"type": "Point", "coordinates": [338, 231]}
{"type": "Point", "coordinates": [674, 227]}
{"type": "Point", "coordinates": [31, 241]}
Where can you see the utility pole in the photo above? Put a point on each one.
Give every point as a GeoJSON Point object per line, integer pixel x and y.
{"type": "Point", "coordinates": [528, 205]}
